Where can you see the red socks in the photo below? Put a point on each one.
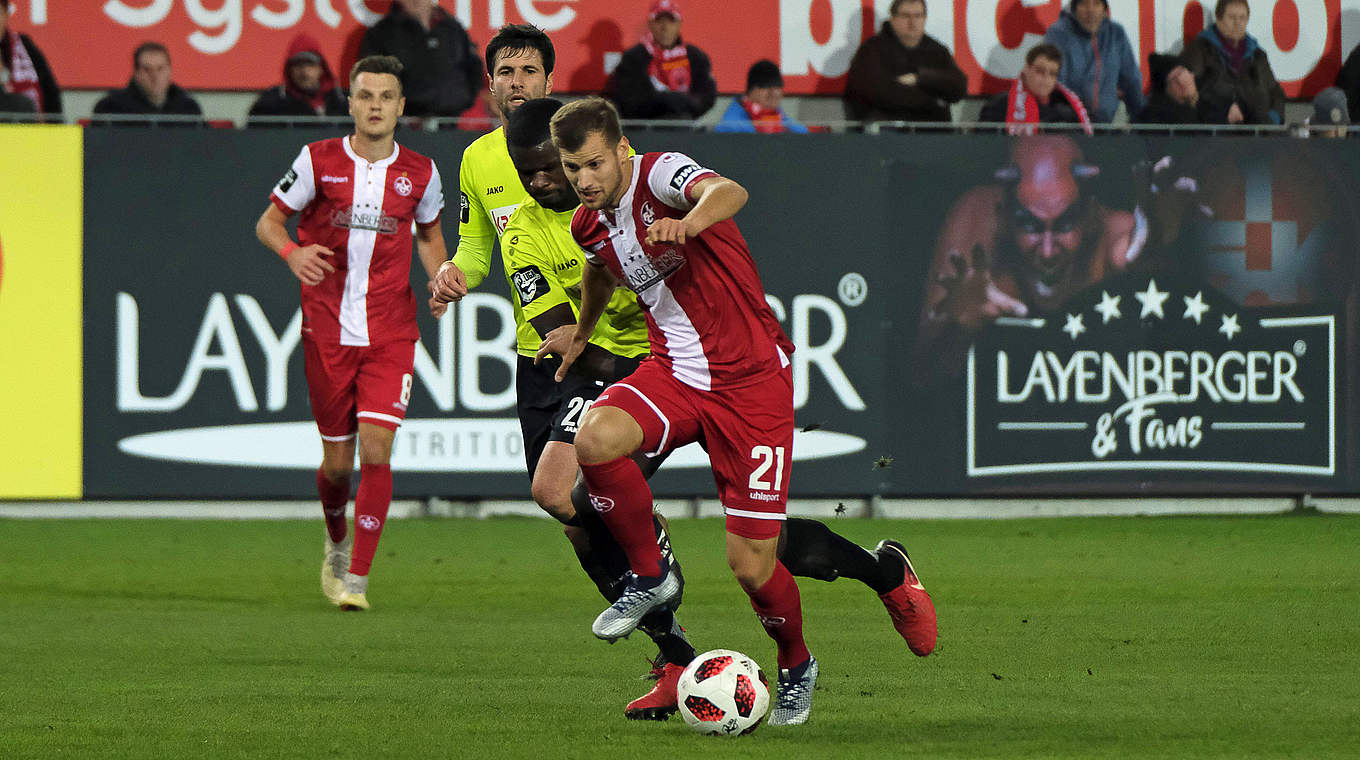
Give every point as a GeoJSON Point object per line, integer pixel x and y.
{"type": "Point", "coordinates": [621, 495]}
{"type": "Point", "coordinates": [334, 496]}
{"type": "Point", "coordinates": [781, 612]}
{"type": "Point", "coordinates": [370, 512]}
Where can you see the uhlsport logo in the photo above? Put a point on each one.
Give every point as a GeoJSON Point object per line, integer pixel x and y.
{"type": "Point", "coordinates": [601, 504]}
{"type": "Point", "coordinates": [1135, 375]}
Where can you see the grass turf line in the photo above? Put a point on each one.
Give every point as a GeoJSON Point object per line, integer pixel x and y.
{"type": "Point", "coordinates": [1096, 637]}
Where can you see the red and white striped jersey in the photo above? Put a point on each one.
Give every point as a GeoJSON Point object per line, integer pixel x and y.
{"type": "Point", "coordinates": [363, 212]}
{"type": "Point", "coordinates": [707, 318]}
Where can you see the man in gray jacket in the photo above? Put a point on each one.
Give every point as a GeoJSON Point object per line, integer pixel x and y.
{"type": "Point", "coordinates": [1098, 62]}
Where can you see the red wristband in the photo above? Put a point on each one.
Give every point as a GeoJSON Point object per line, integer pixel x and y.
{"type": "Point", "coordinates": [287, 249]}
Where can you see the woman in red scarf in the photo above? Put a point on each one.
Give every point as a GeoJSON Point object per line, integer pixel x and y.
{"type": "Point", "coordinates": [1037, 97]}
{"type": "Point", "coordinates": [25, 78]}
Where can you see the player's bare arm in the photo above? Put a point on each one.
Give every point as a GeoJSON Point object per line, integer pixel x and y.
{"type": "Point", "coordinates": [715, 199]}
{"type": "Point", "coordinates": [433, 255]}
{"type": "Point", "coordinates": [308, 262]}
{"type": "Point", "coordinates": [597, 286]}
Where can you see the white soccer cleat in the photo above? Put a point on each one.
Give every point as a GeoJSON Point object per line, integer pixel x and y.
{"type": "Point", "coordinates": [640, 596]}
{"type": "Point", "coordinates": [334, 566]}
{"type": "Point", "coordinates": [354, 598]}
{"type": "Point", "coordinates": [793, 705]}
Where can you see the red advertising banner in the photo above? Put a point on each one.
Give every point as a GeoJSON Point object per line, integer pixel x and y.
{"type": "Point", "coordinates": [240, 44]}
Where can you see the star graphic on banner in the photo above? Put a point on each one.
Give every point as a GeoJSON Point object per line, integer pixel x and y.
{"type": "Point", "coordinates": [1108, 307]}
{"type": "Point", "coordinates": [1230, 326]}
{"type": "Point", "coordinates": [1152, 300]}
{"type": "Point", "coordinates": [1075, 325]}
{"type": "Point", "coordinates": [1196, 308]}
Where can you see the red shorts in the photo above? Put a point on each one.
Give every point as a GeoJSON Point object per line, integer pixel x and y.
{"type": "Point", "coordinates": [353, 384]}
{"type": "Point", "coordinates": [748, 433]}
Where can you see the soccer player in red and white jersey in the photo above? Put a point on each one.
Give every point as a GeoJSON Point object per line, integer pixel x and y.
{"type": "Point", "coordinates": [358, 196]}
{"type": "Point", "coordinates": [719, 373]}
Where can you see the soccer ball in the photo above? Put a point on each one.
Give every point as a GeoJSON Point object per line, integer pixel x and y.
{"type": "Point", "coordinates": [723, 692]}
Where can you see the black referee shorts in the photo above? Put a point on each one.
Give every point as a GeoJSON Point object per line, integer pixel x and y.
{"type": "Point", "coordinates": [549, 410]}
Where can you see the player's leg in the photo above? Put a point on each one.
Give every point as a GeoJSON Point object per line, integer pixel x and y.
{"type": "Point", "coordinates": [332, 484]}
{"type": "Point", "coordinates": [749, 433]}
{"type": "Point", "coordinates": [649, 410]}
{"type": "Point", "coordinates": [383, 388]}
{"type": "Point", "coordinates": [330, 372]}
{"type": "Point", "coordinates": [778, 605]}
{"type": "Point", "coordinates": [810, 549]}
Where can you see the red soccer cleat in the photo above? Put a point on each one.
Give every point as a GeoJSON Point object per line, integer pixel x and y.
{"type": "Point", "coordinates": [660, 702]}
{"type": "Point", "coordinates": [909, 606]}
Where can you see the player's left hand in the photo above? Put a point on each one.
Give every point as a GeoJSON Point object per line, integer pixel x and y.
{"type": "Point", "coordinates": [438, 307]}
{"type": "Point", "coordinates": [668, 230]}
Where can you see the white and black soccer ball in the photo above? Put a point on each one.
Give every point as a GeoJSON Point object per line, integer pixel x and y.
{"type": "Point", "coordinates": [723, 692]}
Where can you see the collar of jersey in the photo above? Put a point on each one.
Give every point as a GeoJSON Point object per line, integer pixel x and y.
{"type": "Point", "coordinates": [396, 149]}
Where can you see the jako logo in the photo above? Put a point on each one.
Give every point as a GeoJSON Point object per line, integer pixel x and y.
{"type": "Point", "coordinates": [368, 522]}
{"type": "Point", "coordinates": [601, 503]}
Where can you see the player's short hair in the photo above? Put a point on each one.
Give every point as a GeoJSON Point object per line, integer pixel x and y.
{"type": "Point", "coordinates": [1222, 7]}
{"type": "Point", "coordinates": [896, 4]}
{"type": "Point", "coordinates": [1046, 50]}
{"type": "Point", "coordinates": [574, 123]}
{"type": "Point", "coordinates": [517, 38]}
{"type": "Point", "coordinates": [150, 46]}
{"type": "Point", "coordinates": [763, 73]}
{"type": "Point", "coordinates": [377, 64]}
{"type": "Point", "coordinates": [527, 126]}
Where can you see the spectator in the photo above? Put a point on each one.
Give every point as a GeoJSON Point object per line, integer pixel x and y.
{"type": "Point", "coordinates": [1174, 98]}
{"type": "Point", "coordinates": [1330, 115]}
{"type": "Point", "coordinates": [1098, 62]}
{"type": "Point", "coordinates": [1036, 96]}
{"type": "Point", "coordinates": [1231, 70]}
{"type": "Point", "coordinates": [308, 87]}
{"type": "Point", "coordinates": [150, 91]}
{"type": "Point", "coordinates": [902, 74]}
{"type": "Point", "coordinates": [24, 73]}
{"type": "Point", "coordinates": [759, 109]}
{"type": "Point", "coordinates": [662, 77]}
{"type": "Point", "coordinates": [1348, 79]}
{"type": "Point", "coordinates": [443, 71]}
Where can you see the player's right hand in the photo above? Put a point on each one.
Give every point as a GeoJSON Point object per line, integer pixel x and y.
{"type": "Point", "coordinates": [564, 342]}
{"type": "Point", "coordinates": [309, 263]}
{"type": "Point", "coordinates": [449, 283]}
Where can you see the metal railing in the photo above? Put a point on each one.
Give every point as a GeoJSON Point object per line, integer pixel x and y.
{"type": "Point", "coordinates": [482, 124]}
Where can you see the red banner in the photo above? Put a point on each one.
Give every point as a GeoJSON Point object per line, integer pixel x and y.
{"type": "Point", "coordinates": [240, 44]}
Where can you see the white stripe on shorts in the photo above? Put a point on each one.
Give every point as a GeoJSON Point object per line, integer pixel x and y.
{"type": "Point", "coordinates": [754, 515]}
{"type": "Point", "coordinates": [337, 438]}
{"type": "Point", "coordinates": [666, 424]}
{"type": "Point", "coordinates": [377, 416]}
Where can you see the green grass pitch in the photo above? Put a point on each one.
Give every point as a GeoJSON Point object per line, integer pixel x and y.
{"type": "Point", "coordinates": [1096, 637]}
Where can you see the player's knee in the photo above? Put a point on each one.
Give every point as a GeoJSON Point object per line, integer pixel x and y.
{"type": "Point", "coordinates": [336, 472]}
{"type": "Point", "coordinates": [751, 564]}
{"type": "Point", "coordinates": [593, 445]}
{"type": "Point", "coordinates": [605, 435]}
{"type": "Point", "coordinates": [554, 499]}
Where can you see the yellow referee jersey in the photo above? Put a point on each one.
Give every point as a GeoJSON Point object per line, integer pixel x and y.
{"type": "Point", "coordinates": [489, 192]}
{"type": "Point", "coordinates": [544, 266]}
